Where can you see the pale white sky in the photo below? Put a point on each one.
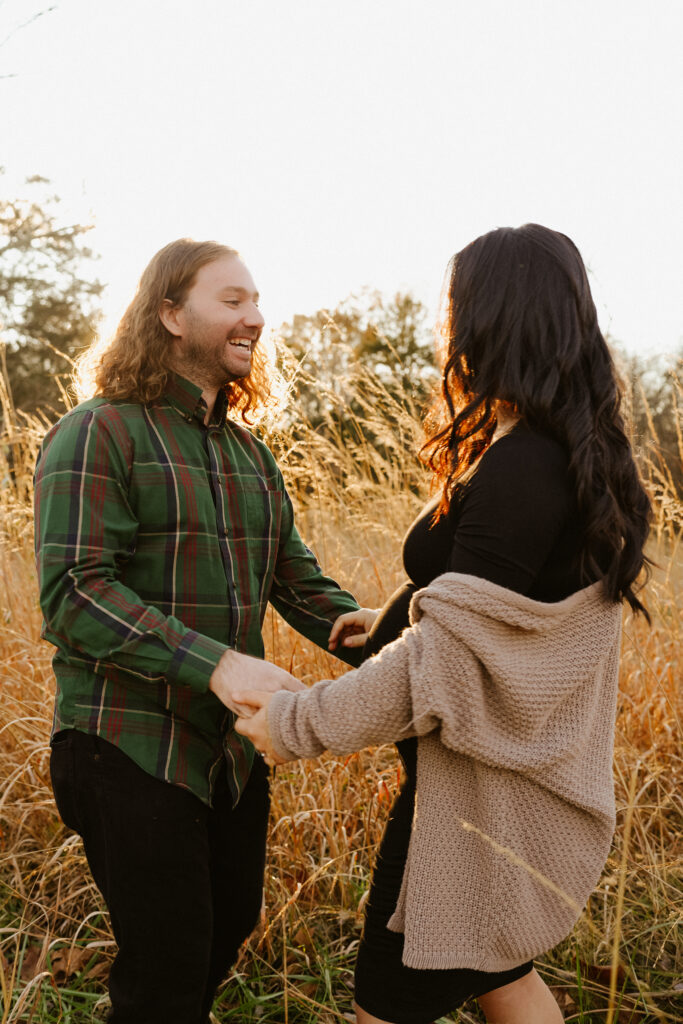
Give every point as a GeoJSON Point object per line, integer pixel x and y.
{"type": "Point", "coordinates": [344, 144]}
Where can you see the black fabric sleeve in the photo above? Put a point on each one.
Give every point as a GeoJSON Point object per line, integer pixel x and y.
{"type": "Point", "coordinates": [512, 511]}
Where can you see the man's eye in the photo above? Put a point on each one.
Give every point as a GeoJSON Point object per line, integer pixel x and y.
{"type": "Point", "coordinates": [232, 302]}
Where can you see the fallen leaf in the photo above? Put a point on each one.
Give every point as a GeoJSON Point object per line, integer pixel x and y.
{"type": "Point", "coordinates": [29, 963]}
{"type": "Point", "coordinates": [563, 999]}
{"type": "Point", "coordinates": [308, 988]}
{"type": "Point", "coordinates": [68, 961]}
{"type": "Point", "coordinates": [602, 974]}
{"type": "Point", "coordinates": [98, 972]}
{"type": "Point", "coordinates": [302, 938]}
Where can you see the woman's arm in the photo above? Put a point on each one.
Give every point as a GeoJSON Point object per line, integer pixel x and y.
{"type": "Point", "coordinates": [365, 707]}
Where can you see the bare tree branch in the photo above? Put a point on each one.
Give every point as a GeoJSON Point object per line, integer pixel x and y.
{"type": "Point", "coordinates": [25, 24]}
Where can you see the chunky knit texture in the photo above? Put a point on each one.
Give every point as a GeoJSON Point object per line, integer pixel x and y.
{"type": "Point", "coordinates": [513, 701]}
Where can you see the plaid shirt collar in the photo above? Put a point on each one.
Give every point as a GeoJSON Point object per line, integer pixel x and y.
{"type": "Point", "coordinates": [186, 398]}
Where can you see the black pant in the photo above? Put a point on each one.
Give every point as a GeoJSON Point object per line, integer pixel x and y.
{"type": "Point", "coordinates": [182, 881]}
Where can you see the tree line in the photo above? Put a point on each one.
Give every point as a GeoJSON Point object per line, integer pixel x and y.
{"type": "Point", "coordinates": [50, 312]}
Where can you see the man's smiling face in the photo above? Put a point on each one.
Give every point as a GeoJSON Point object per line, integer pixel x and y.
{"type": "Point", "coordinates": [218, 324]}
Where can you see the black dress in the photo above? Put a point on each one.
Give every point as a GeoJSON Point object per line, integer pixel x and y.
{"type": "Point", "coordinates": [514, 523]}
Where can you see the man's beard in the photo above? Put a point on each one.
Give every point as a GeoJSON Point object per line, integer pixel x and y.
{"type": "Point", "coordinates": [206, 363]}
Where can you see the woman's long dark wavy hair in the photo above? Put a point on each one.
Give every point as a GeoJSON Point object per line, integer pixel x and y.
{"type": "Point", "coordinates": [521, 327]}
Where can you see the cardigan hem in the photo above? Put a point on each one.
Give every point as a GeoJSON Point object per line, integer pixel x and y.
{"type": "Point", "coordinates": [464, 961]}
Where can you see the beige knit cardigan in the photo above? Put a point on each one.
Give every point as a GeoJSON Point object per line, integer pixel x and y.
{"type": "Point", "coordinates": [513, 701]}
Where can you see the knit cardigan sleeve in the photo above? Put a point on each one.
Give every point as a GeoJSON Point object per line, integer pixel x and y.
{"type": "Point", "coordinates": [507, 680]}
{"type": "Point", "coordinates": [368, 706]}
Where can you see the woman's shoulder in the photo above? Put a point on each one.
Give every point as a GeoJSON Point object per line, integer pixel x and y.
{"type": "Point", "coordinates": [527, 456]}
{"type": "Point", "coordinates": [524, 466]}
{"type": "Point", "coordinates": [524, 442]}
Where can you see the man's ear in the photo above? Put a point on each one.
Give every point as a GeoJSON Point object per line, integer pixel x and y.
{"type": "Point", "coordinates": [170, 314]}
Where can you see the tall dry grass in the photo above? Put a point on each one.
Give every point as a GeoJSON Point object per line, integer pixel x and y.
{"type": "Point", "coordinates": [624, 960]}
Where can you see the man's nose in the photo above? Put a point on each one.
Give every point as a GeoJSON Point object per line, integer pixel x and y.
{"type": "Point", "coordinates": [253, 316]}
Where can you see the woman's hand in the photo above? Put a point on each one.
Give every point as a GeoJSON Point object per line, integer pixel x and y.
{"type": "Point", "coordinates": [352, 628]}
{"type": "Point", "coordinates": [237, 671]}
{"type": "Point", "coordinates": [255, 726]}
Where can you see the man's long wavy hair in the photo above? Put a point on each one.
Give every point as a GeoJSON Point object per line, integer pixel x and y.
{"type": "Point", "coordinates": [520, 327]}
{"type": "Point", "coordinates": [135, 365]}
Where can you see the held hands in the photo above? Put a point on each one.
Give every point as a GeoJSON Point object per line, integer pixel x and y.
{"type": "Point", "coordinates": [255, 726]}
{"type": "Point", "coordinates": [239, 672]}
{"type": "Point", "coordinates": [352, 628]}
{"type": "Point", "coordinates": [246, 685]}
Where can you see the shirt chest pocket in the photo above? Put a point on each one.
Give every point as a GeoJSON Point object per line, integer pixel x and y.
{"type": "Point", "coordinates": [252, 515]}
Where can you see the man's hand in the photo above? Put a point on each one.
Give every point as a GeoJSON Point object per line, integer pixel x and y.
{"type": "Point", "coordinates": [255, 727]}
{"type": "Point", "coordinates": [352, 628]}
{"type": "Point", "coordinates": [237, 671]}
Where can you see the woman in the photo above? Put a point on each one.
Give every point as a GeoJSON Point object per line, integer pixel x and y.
{"type": "Point", "coordinates": [502, 692]}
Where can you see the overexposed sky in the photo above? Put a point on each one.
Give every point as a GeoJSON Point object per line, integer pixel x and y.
{"type": "Point", "coordinates": [342, 145]}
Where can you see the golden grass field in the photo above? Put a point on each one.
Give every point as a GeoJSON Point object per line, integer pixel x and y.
{"type": "Point", "coordinates": [624, 961]}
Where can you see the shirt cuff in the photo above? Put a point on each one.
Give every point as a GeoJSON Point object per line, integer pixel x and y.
{"type": "Point", "coordinates": [194, 660]}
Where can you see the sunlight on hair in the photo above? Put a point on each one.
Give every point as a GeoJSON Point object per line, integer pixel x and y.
{"type": "Point", "coordinates": [85, 369]}
{"type": "Point", "coordinates": [270, 399]}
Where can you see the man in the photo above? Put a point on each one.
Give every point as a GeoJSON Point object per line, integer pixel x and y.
{"type": "Point", "coordinates": [163, 528]}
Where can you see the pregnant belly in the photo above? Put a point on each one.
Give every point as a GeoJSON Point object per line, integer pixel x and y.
{"type": "Point", "coordinates": [391, 621]}
{"type": "Point", "coordinates": [389, 625]}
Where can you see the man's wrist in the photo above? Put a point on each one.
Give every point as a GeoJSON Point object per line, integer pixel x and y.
{"type": "Point", "coordinates": [225, 669]}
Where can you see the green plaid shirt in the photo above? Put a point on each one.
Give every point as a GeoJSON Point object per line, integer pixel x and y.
{"type": "Point", "coordinates": [159, 543]}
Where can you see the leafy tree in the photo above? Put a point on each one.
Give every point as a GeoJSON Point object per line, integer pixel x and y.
{"type": "Point", "coordinates": [361, 376]}
{"type": "Point", "coordinates": [48, 310]}
{"type": "Point", "coordinates": [367, 333]}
